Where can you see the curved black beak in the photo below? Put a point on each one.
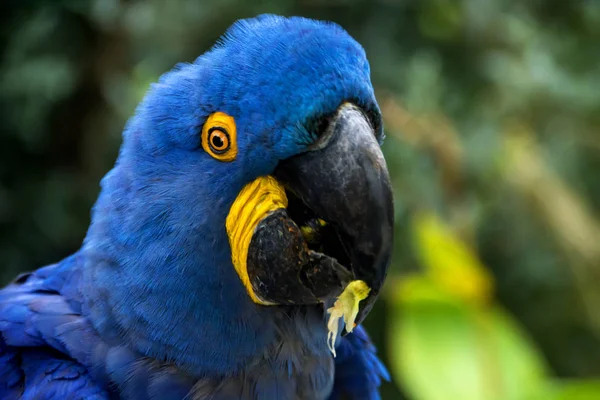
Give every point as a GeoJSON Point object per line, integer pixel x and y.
{"type": "Point", "coordinates": [345, 182]}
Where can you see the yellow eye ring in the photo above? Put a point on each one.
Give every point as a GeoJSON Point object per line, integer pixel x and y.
{"type": "Point", "coordinates": [219, 137]}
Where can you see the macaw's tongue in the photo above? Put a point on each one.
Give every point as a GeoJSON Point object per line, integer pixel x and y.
{"type": "Point", "coordinates": [285, 271]}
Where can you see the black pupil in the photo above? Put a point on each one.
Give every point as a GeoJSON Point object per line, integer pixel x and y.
{"type": "Point", "coordinates": [217, 141]}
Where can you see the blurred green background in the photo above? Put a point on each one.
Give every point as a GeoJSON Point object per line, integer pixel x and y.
{"type": "Point", "coordinates": [492, 112]}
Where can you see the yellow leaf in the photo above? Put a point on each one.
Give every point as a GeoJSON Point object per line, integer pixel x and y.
{"type": "Point", "coordinates": [450, 262]}
{"type": "Point", "coordinates": [417, 288]}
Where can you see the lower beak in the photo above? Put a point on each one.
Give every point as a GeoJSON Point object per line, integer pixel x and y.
{"type": "Point", "coordinates": [345, 182]}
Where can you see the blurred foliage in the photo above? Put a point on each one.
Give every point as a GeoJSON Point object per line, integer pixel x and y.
{"type": "Point", "coordinates": [445, 325]}
{"type": "Point", "coordinates": [492, 111]}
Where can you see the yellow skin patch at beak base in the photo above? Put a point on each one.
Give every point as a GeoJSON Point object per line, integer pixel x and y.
{"type": "Point", "coordinates": [346, 306]}
{"type": "Point", "coordinates": [254, 202]}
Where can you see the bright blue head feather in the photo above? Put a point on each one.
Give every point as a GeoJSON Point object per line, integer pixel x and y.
{"type": "Point", "coordinates": [157, 251]}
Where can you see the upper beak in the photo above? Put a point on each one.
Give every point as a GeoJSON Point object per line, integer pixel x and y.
{"type": "Point", "coordinates": [344, 180]}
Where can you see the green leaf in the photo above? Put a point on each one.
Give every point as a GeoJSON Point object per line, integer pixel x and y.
{"type": "Point", "coordinates": [449, 350]}
{"type": "Point", "coordinates": [573, 390]}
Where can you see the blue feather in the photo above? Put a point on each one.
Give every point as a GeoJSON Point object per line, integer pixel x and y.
{"type": "Point", "coordinates": [358, 371]}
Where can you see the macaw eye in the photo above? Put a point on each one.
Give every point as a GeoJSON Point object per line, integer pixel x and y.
{"type": "Point", "coordinates": [219, 137]}
{"type": "Point", "coordinates": [218, 140]}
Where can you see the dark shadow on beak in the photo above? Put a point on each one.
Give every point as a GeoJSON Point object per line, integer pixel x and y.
{"type": "Point", "coordinates": [344, 181]}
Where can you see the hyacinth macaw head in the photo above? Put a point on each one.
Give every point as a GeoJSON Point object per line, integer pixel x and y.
{"type": "Point", "coordinates": [285, 98]}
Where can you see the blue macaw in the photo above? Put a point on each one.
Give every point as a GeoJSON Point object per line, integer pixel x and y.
{"type": "Point", "coordinates": [250, 190]}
